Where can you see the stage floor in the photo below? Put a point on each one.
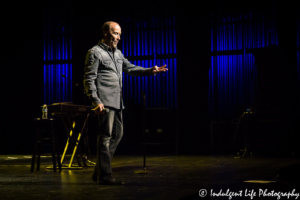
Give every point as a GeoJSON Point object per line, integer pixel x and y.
{"type": "Point", "coordinates": [169, 177]}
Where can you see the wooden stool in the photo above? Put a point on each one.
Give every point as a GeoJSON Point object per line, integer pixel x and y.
{"type": "Point", "coordinates": [48, 124]}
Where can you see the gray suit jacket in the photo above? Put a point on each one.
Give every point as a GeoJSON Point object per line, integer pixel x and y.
{"type": "Point", "coordinates": [103, 75]}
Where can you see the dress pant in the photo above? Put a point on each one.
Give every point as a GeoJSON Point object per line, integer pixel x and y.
{"type": "Point", "coordinates": [109, 135]}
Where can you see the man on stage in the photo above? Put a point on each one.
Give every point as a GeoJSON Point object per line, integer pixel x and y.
{"type": "Point", "coordinates": [104, 65]}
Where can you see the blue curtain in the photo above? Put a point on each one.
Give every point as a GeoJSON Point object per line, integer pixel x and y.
{"type": "Point", "coordinates": [232, 81]}
{"type": "Point", "coordinates": [148, 43]}
{"type": "Point", "coordinates": [57, 52]}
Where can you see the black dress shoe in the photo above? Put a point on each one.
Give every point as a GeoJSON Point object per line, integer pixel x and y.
{"type": "Point", "coordinates": [111, 182]}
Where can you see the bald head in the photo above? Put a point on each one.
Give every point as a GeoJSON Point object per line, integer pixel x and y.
{"type": "Point", "coordinates": [106, 27]}
{"type": "Point", "coordinates": [111, 33]}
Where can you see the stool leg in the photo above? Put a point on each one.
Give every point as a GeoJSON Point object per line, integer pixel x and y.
{"type": "Point", "coordinates": [33, 160]}
{"type": "Point", "coordinates": [57, 149]}
{"type": "Point", "coordinates": [38, 149]}
{"type": "Point", "coordinates": [38, 154]}
{"type": "Point", "coordinates": [58, 156]}
{"type": "Point", "coordinates": [53, 149]}
{"type": "Point", "coordinates": [34, 148]}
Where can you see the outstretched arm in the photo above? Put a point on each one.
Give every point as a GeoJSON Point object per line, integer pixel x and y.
{"type": "Point", "coordinates": [134, 70]}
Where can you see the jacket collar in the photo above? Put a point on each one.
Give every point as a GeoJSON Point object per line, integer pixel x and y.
{"type": "Point", "coordinates": [105, 47]}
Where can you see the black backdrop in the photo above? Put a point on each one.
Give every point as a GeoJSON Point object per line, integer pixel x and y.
{"type": "Point", "coordinates": [193, 46]}
{"type": "Point", "coordinates": [22, 57]}
{"type": "Point", "coordinates": [21, 72]}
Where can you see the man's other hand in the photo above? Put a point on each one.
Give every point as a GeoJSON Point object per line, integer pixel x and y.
{"type": "Point", "coordinates": [99, 109]}
{"type": "Point", "coordinates": [157, 70]}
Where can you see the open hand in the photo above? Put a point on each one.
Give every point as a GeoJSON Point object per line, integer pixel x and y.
{"type": "Point", "coordinates": [157, 70]}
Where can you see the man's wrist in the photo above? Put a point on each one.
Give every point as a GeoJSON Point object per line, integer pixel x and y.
{"type": "Point", "coordinates": [152, 71]}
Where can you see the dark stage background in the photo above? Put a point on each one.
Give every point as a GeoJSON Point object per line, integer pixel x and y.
{"type": "Point", "coordinates": [213, 53]}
